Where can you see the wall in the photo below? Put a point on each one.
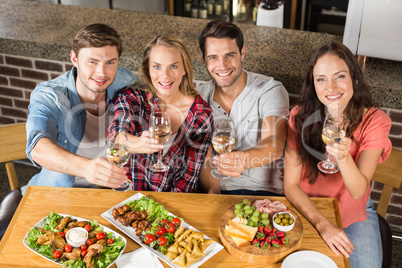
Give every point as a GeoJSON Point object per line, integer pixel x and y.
{"type": "Point", "coordinates": [20, 75]}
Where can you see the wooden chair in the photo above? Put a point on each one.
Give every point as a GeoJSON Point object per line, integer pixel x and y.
{"type": "Point", "coordinates": [13, 141]}
{"type": "Point", "coordinates": [387, 173]}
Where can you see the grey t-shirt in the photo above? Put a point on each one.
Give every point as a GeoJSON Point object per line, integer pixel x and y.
{"type": "Point", "coordinates": [262, 97]}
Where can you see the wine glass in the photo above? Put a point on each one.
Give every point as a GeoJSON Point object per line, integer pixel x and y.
{"type": "Point", "coordinates": [159, 127]}
{"type": "Point", "coordinates": [333, 131]}
{"type": "Point", "coordinates": [223, 139]}
{"type": "Point", "coordinates": [118, 154]}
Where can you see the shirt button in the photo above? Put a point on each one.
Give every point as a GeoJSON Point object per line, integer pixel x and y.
{"type": "Point", "coordinates": [225, 113]}
{"type": "Point", "coordinates": [219, 107]}
{"type": "Point", "coordinates": [65, 141]}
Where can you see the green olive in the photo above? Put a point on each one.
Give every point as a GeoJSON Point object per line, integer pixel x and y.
{"type": "Point", "coordinates": [285, 221]}
{"type": "Point", "coordinates": [286, 215]}
{"type": "Point", "coordinates": [291, 221]}
{"type": "Point", "coordinates": [277, 220]}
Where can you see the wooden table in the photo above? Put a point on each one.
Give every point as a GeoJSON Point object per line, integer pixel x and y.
{"type": "Point", "coordinates": [202, 211]}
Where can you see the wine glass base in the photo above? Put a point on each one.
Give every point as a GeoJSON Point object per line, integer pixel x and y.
{"type": "Point", "coordinates": [159, 167]}
{"type": "Point", "coordinates": [218, 175]}
{"type": "Point", "coordinates": [126, 186]}
{"type": "Point", "coordinates": [327, 167]}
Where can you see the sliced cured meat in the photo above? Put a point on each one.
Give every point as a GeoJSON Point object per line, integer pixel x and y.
{"type": "Point", "coordinates": [269, 207]}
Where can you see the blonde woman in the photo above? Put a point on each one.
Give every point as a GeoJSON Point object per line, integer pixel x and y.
{"type": "Point", "coordinates": [168, 87]}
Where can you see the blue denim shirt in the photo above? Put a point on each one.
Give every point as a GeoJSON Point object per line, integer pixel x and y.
{"type": "Point", "coordinates": [56, 112]}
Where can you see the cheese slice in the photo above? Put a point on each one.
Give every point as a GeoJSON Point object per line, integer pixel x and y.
{"type": "Point", "coordinates": [245, 229]}
{"type": "Point", "coordinates": [237, 234]}
{"type": "Point", "coordinates": [238, 241]}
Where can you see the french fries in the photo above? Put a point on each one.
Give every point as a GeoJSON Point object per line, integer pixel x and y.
{"type": "Point", "coordinates": [188, 247]}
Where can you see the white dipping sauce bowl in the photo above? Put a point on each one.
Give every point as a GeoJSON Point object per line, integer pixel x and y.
{"type": "Point", "coordinates": [76, 236]}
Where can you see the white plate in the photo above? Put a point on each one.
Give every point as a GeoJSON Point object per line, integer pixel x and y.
{"type": "Point", "coordinates": [105, 229]}
{"type": "Point", "coordinates": [130, 231]}
{"type": "Point", "coordinates": [307, 258]}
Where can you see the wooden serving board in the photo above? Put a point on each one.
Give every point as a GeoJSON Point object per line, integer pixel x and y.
{"type": "Point", "coordinates": [255, 255]}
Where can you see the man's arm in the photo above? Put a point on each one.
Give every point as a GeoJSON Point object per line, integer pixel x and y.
{"type": "Point", "coordinates": [98, 171]}
{"type": "Point", "coordinates": [269, 149]}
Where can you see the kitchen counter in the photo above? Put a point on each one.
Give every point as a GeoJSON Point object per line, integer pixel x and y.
{"type": "Point", "coordinates": [44, 30]}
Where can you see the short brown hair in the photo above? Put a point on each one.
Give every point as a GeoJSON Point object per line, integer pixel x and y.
{"type": "Point", "coordinates": [220, 29]}
{"type": "Point", "coordinates": [97, 35]}
{"type": "Point", "coordinates": [172, 41]}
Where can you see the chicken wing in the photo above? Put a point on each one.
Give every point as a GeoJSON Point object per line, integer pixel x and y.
{"type": "Point", "coordinates": [74, 255]}
{"type": "Point", "coordinates": [63, 223]}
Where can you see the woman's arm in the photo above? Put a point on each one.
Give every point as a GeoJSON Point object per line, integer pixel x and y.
{"type": "Point", "coordinates": [335, 237]}
{"type": "Point", "coordinates": [355, 177]}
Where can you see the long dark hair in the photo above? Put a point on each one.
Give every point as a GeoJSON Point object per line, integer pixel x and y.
{"type": "Point", "coordinates": [309, 119]}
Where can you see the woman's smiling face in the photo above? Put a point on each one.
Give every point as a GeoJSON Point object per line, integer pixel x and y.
{"type": "Point", "coordinates": [166, 69]}
{"type": "Point", "coordinates": [333, 82]}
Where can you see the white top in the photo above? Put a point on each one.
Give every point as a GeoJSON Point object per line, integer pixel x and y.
{"type": "Point", "coordinates": [263, 96]}
{"type": "Point", "coordinates": [93, 143]}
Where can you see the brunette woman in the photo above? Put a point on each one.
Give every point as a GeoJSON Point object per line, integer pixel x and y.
{"type": "Point", "coordinates": [334, 84]}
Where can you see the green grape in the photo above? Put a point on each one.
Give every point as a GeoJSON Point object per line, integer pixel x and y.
{"type": "Point", "coordinates": [237, 211]}
{"type": "Point", "coordinates": [245, 201]}
{"type": "Point", "coordinates": [251, 223]}
{"type": "Point", "coordinates": [240, 215]}
{"type": "Point", "coordinates": [255, 219]}
{"type": "Point", "coordinates": [265, 222]}
{"type": "Point", "coordinates": [246, 207]}
{"type": "Point", "coordinates": [264, 215]}
{"type": "Point", "coordinates": [253, 208]}
{"type": "Point", "coordinates": [248, 211]}
{"type": "Point", "coordinates": [239, 206]}
{"type": "Point", "coordinates": [256, 213]}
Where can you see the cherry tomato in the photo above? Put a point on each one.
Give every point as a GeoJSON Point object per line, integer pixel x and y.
{"type": "Point", "coordinates": [100, 235]}
{"type": "Point", "coordinates": [170, 228]}
{"type": "Point", "coordinates": [176, 221]}
{"type": "Point", "coordinates": [149, 238]}
{"type": "Point", "coordinates": [57, 254]}
{"type": "Point", "coordinates": [68, 248]}
{"type": "Point", "coordinates": [62, 234]}
{"type": "Point", "coordinates": [66, 230]}
{"type": "Point", "coordinates": [90, 241]}
{"type": "Point", "coordinates": [84, 247]}
{"type": "Point", "coordinates": [110, 241]}
{"type": "Point", "coordinates": [164, 222]}
{"type": "Point", "coordinates": [160, 231]}
{"type": "Point", "coordinates": [162, 241]}
{"type": "Point", "coordinates": [84, 252]}
{"type": "Point", "coordinates": [87, 227]}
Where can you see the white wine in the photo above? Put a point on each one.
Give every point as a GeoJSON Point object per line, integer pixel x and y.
{"type": "Point", "coordinates": [330, 135]}
{"type": "Point", "coordinates": [223, 144]}
{"type": "Point", "coordinates": [161, 133]}
{"type": "Point", "coordinates": [118, 155]}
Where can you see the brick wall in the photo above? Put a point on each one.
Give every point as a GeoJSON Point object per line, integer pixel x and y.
{"type": "Point", "coordinates": [20, 75]}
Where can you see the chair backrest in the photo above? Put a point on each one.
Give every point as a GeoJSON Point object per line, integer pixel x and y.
{"type": "Point", "coordinates": [13, 140]}
{"type": "Point", "coordinates": [389, 173]}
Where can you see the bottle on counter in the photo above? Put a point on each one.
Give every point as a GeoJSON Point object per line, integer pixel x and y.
{"type": "Point", "coordinates": [219, 8]}
{"type": "Point", "coordinates": [255, 10]}
{"type": "Point", "coordinates": [194, 8]}
{"type": "Point", "coordinates": [210, 8]}
{"type": "Point", "coordinates": [187, 8]}
{"type": "Point", "coordinates": [241, 11]}
{"type": "Point", "coordinates": [202, 10]}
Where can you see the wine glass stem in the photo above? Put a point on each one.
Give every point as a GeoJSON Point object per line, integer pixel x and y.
{"type": "Point", "coordinates": [160, 157]}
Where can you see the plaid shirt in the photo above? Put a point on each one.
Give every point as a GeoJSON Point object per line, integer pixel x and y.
{"type": "Point", "coordinates": [187, 153]}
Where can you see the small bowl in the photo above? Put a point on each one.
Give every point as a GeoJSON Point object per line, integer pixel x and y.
{"type": "Point", "coordinates": [76, 236]}
{"type": "Point", "coordinates": [284, 228]}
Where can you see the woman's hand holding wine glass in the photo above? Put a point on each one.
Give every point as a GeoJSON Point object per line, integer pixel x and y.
{"type": "Point", "coordinates": [333, 132]}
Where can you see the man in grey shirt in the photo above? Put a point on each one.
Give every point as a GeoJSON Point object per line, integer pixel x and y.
{"type": "Point", "coordinates": [258, 107]}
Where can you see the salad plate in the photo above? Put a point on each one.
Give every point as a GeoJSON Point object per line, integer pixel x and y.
{"type": "Point", "coordinates": [308, 258]}
{"type": "Point", "coordinates": [130, 231]}
{"type": "Point", "coordinates": [105, 229]}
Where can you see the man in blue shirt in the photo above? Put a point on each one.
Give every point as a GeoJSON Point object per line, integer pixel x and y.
{"type": "Point", "coordinates": [69, 115]}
